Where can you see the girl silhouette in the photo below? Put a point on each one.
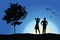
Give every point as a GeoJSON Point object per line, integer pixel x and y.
{"type": "Point", "coordinates": [37, 25]}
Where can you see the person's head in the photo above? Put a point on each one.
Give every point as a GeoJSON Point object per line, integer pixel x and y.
{"type": "Point", "coordinates": [44, 18]}
{"type": "Point", "coordinates": [37, 19]}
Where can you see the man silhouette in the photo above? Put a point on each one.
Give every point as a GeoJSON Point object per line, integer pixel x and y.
{"type": "Point", "coordinates": [37, 25]}
{"type": "Point", "coordinates": [44, 24]}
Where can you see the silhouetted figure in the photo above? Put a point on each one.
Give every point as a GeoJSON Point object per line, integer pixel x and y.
{"type": "Point", "coordinates": [44, 23]}
{"type": "Point", "coordinates": [14, 14]}
{"type": "Point", "coordinates": [37, 25]}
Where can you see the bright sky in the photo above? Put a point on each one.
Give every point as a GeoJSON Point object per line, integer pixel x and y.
{"type": "Point", "coordinates": [51, 28]}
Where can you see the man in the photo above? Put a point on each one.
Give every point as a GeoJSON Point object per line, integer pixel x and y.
{"type": "Point", "coordinates": [37, 25]}
{"type": "Point", "coordinates": [44, 23]}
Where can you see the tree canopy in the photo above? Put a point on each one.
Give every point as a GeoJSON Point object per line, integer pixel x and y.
{"type": "Point", "coordinates": [14, 13]}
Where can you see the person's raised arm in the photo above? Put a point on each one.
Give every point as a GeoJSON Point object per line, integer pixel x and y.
{"type": "Point", "coordinates": [41, 23]}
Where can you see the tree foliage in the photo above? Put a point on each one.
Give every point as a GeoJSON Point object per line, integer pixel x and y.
{"type": "Point", "coordinates": [15, 13]}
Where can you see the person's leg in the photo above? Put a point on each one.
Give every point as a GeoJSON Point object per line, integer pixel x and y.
{"type": "Point", "coordinates": [44, 30]}
{"type": "Point", "coordinates": [39, 31]}
{"type": "Point", "coordinates": [36, 31]}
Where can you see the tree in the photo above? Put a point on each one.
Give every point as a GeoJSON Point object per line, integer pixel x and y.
{"type": "Point", "coordinates": [14, 13]}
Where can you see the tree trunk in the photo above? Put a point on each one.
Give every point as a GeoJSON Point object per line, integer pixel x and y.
{"type": "Point", "coordinates": [14, 29]}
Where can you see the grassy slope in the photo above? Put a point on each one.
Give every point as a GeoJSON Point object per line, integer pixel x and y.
{"type": "Point", "coordinates": [30, 37]}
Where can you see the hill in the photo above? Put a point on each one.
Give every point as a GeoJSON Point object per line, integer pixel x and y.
{"type": "Point", "coordinates": [30, 37]}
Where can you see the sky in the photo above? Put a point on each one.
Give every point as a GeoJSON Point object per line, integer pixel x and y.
{"type": "Point", "coordinates": [34, 8]}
